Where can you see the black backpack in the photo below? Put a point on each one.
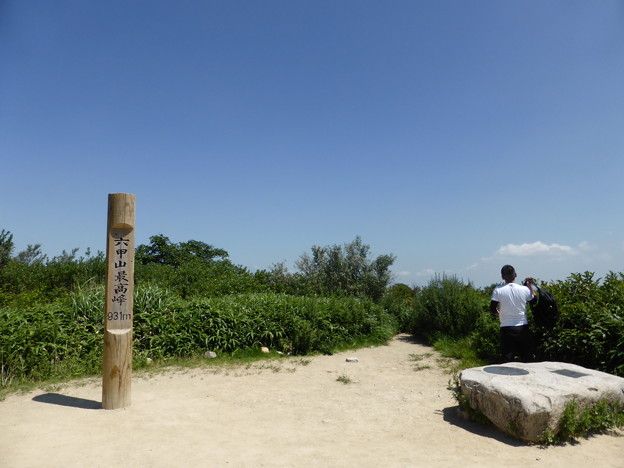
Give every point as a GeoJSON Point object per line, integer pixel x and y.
{"type": "Point", "coordinates": [545, 310]}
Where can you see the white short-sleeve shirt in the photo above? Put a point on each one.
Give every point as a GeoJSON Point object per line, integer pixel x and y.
{"type": "Point", "coordinates": [512, 299]}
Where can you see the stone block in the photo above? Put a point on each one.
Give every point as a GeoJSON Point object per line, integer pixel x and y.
{"type": "Point", "coordinates": [527, 399]}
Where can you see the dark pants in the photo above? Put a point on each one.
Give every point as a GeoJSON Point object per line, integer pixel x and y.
{"type": "Point", "coordinates": [516, 341]}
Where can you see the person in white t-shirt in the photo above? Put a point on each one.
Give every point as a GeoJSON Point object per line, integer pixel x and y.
{"type": "Point", "coordinates": [509, 304]}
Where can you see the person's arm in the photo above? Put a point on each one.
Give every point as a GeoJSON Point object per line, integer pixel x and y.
{"type": "Point", "coordinates": [494, 308]}
{"type": "Point", "coordinates": [528, 282]}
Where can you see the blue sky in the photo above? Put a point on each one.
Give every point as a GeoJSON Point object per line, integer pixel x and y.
{"type": "Point", "coordinates": [457, 135]}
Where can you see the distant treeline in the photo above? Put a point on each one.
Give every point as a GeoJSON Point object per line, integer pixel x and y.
{"type": "Point", "coordinates": [193, 269]}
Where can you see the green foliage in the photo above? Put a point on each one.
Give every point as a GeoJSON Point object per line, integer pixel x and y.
{"type": "Point", "coordinates": [188, 269]}
{"type": "Point", "coordinates": [461, 350]}
{"type": "Point", "coordinates": [485, 339]}
{"type": "Point", "coordinates": [400, 294]}
{"type": "Point", "coordinates": [344, 379]}
{"type": "Point", "coordinates": [45, 341]}
{"type": "Point", "coordinates": [6, 247]}
{"type": "Point", "coordinates": [33, 280]}
{"type": "Point", "coordinates": [399, 301]}
{"type": "Point", "coordinates": [346, 270]}
{"type": "Point", "coordinates": [448, 307]}
{"type": "Point", "coordinates": [161, 251]}
{"type": "Point", "coordinates": [31, 255]}
{"type": "Point", "coordinates": [291, 324]}
{"type": "Point", "coordinates": [66, 338]}
{"type": "Point", "coordinates": [87, 305]}
{"type": "Point", "coordinates": [590, 331]}
{"type": "Point", "coordinates": [191, 269]}
{"type": "Point", "coordinates": [278, 279]}
{"type": "Point", "coordinates": [582, 421]}
{"type": "Point", "coordinates": [198, 279]}
{"type": "Point", "coordinates": [188, 299]}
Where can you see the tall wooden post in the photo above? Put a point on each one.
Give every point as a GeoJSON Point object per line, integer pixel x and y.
{"type": "Point", "coordinates": [117, 369]}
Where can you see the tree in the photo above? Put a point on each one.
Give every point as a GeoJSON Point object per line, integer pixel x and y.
{"type": "Point", "coordinates": [347, 270]}
{"type": "Point", "coordinates": [162, 251]}
{"type": "Point", "coordinates": [6, 247]}
{"type": "Point", "coordinates": [31, 255]}
{"type": "Point", "coordinates": [401, 294]}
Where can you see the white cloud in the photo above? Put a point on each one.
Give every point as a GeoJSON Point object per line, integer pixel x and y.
{"type": "Point", "coordinates": [536, 248]}
{"type": "Point", "coordinates": [404, 273]}
{"type": "Point", "coordinates": [427, 272]}
{"type": "Point", "coordinates": [586, 246]}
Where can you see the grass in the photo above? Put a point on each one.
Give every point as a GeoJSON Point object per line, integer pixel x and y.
{"type": "Point", "coordinates": [62, 339]}
{"type": "Point", "coordinates": [421, 367]}
{"type": "Point", "coordinates": [578, 421]}
{"type": "Point", "coordinates": [344, 378]}
{"type": "Point", "coordinates": [418, 358]}
{"type": "Point", "coordinates": [459, 354]}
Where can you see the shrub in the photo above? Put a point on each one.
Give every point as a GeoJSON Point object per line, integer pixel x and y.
{"type": "Point", "coordinates": [346, 270]}
{"type": "Point", "coordinates": [196, 278]}
{"type": "Point", "coordinates": [45, 341]}
{"type": "Point", "coordinates": [447, 307]}
{"type": "Point", "coordinates": [399, 301]}
{"type": "Point", "coordinates": [288, 323]}
{"type": "Point", "coordinates": [578, 421]}
{"type": "Point", "coordinates": [486, 338]}
{"type": "Point", "coordinates": [32, 284]}
{"type": "Point", "coordinates": [66, 338]}
{"type": "Point", "coordinates": [590, 331]}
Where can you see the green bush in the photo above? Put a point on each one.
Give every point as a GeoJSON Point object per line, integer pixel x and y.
{"type": "Point", "coordinates": [46, 341]}
{"type": "Point", "coordinates": [346, 270]}
{"type": "Point", "coordinates": [31, 284]}
{"type": "Point", "coordinates": [199, 279]}
{"type": "Point", "coordinates": [66, 338]}
{"type": "Point", "coordinates": [287, 323]}
{"type": "Point", "coordinates": [578, 421]}
{"type": "Point", "coordinates": [448, 307]}
{"type": "Point", "coordinates": [399, 301]}
{"type": "Point", "coordinates": [486, 338]}
{"type": "Point", "coordinates": [590, 331]}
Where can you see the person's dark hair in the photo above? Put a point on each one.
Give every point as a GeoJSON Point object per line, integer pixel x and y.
{"type": "Point", "coordinates": [508, 273]}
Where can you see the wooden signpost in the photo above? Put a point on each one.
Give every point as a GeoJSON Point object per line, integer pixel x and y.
{"type": "Point", "coordinates": [117, 369]}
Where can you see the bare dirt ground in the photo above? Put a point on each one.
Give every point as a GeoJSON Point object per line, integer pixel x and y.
{"type": "Point", "coordinates": [394, 411]}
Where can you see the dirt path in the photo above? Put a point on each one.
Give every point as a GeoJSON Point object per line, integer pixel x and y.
{"type": "Point", "coordinates": [289, 413]}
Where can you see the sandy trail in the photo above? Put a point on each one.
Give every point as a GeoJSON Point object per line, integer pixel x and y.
{"type": "Point", "coordinates": [288, 413]}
